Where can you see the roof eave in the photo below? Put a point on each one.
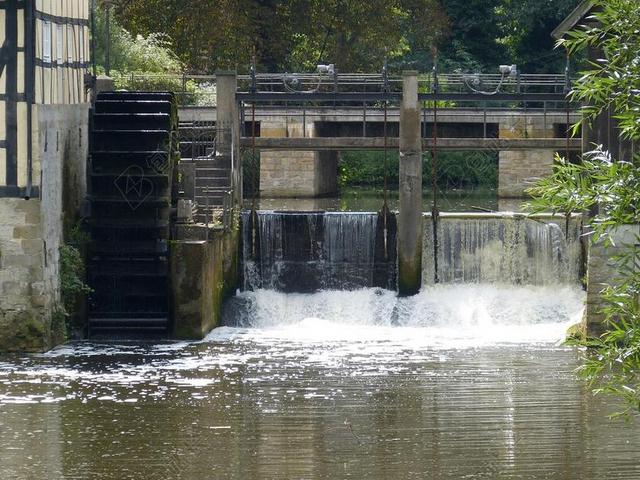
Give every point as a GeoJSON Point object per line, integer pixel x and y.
{"type": "Point", "coordinates": [573, 19]}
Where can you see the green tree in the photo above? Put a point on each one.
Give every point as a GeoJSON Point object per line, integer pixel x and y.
{"type": "Point", "coordinates": [136, 55]}
{"type": "Point", "coordinates": [526, 27]}
{"type": "Point", "coordinates": [356, 35]}
{"type": "Point", "coordinates": [204, 34]}
{"type": "Point", "coordinates": [608, 186]}
{"type": "Point", "coordinates": [475, 29]}
{"type": "Point", "coordinates": [129, 53]}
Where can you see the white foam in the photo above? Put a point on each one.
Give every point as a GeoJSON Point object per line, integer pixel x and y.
{"type": "Point", "coordinates": [443, 315]}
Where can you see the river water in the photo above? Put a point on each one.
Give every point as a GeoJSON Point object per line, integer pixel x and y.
{"type": "Point", "coordinates": [460, 382]}
{"type": "Point", "coordinates": [370, 199]}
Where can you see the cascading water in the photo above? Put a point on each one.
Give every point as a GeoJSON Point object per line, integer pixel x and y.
{"type": "Point", "coordinates": [439, 316]}
{"type": "Point", "coordinates": [503, 248]}
{"type": "Point", "coordinates": [308, 252]}
{"type": "Point", "coordinates": [311, 277]}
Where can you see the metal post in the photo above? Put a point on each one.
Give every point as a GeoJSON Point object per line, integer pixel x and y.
{"type": "Point", "coordinates": [92, 45]}
{"type": "Point", "coordinates": [107, 59]}
{"type": "Point", "coordinates": [484, 119]}
{"type": "Point", "coordinates": [567, 91]}
{"type": "Point", "coordinates": [435, 213]}
{"type": "Point", "coordinates": [410, 216]}
{"type": "Point", "coordinates": [364, 119]}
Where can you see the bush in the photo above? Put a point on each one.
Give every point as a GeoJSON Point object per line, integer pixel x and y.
{"type": "Point", "coordinates": [147, 64]}
{"type": "Point", "coordinates": [609, 188]}
{"type": "Point", "coordinates": [455, 169]}
{"type": "Point", "coordinates": [72, 271]}
{"type": "Point", "coordinates": [72, 279]}
{"type": "Point", "coordinates": [150, 54]}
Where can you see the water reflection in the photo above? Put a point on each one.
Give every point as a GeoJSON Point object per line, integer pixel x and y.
{"type": "Point", "coordinates": [370, 199]}
{"type": "Point", "coordinates": [261, 402]}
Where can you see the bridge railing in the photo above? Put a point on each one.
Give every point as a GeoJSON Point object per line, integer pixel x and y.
{"type": "Point", "coordinates": [200, 90]}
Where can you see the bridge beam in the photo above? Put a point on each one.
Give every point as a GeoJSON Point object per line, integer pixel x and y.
{"type": "Point", "coordinates": [410, 215]}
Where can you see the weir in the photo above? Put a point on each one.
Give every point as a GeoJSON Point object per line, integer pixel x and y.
{"type": "Point", "coordinates": [504, 248]}
{"type": "Point", "coordinates": [404, 253]}
{"type": "Point", "coordinates": [323, 277]}
{"type": "Point", "coordinates": [307, 252]}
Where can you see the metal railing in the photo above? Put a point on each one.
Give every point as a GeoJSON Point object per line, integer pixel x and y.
{"type": "Point", "coordinates": [200, 90]}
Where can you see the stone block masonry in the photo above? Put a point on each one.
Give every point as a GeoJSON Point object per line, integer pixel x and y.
{"type": "Point", "coordinates": [203, 274]}
{"type": "Point", "coordinates": [603, 272]}
{"type": "Point", "coordinates": [518, 170]}
{"type": "Point", "coordinates": [31, 231]}
{"type": "Point", "coordinates": [292, 173]}
{"type": "Point", "coordinates": [23, 296]}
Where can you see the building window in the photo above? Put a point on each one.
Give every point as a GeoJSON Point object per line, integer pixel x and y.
{"type": "Point", "coordinates": [46, 41]}
{"type": "Point", "coordinates": [70, 43]}
{"type": "Point", "coordinates": [59, 43]}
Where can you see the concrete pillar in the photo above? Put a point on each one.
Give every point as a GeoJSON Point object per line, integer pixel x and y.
{"type": "Point", "coordinates": [300, 174]}
{"type": "Point", "coordinates": [518, 170]}
{"type": "Point", "coordinates": [228, 128]}
{"type": "Point", "coordinates": [410, 217]}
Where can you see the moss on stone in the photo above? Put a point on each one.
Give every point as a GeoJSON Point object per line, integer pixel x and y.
{"type": "Point", "coordinates": [410, 275]}
{"type": "Point", "coordinates": [28, 332]}
{"type": "Point", "coordinates": [576, 332]}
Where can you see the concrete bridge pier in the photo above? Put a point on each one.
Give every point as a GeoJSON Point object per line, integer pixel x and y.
{"type": "Point", "coordinates": [410, 176]}
{"type": "Point", "coordinates": [517, 170]}
{"type": "Point", "coordinates": [305, 174]}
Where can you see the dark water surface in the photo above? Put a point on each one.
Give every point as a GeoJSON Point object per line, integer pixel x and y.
{"type": "Point", "coordinates": [370, 199]}
{"type": "Point", "coordinates": [307, 398]}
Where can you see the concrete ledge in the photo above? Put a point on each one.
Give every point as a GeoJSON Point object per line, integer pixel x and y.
{"type": "Point", "coordinates": [603, 272]}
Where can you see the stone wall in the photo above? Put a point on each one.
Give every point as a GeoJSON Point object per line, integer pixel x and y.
{"type": "Point", "coordinates": [294, 173]}
{"type": "Point", "coordinates": [31, 231]}
{"type": "Point", "coordinates": [518, 170]}
{"type": "Point", "coordinates": [602, 272]}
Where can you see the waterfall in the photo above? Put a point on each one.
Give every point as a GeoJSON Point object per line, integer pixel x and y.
{"type": "Point", "coordinates": [503, 248]}
{"type": "Point", "coordinates": [307, 252]}
{"type": "Point", "coordinates": [451, 316]}
{"type": "Point", "coordinates": [311, 251]}
{"type": "Point", "coordinates": [505, 278]}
